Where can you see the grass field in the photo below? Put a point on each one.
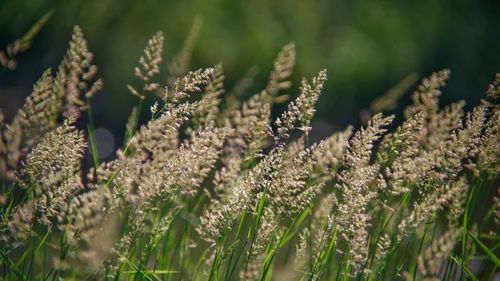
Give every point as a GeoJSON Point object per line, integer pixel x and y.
{"type": "Point", "coordinates": [213, 187]}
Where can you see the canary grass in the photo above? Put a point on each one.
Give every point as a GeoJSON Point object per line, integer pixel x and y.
{"type": "Point", "coordinates": [212, 188]}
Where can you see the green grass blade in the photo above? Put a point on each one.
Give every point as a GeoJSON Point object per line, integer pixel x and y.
{"type": "Point", "coordinates": [13, 267]}
{"type": "Point", "coordinates": [459, 262]}
{"type": "Point", "coordinates": [487, 251]}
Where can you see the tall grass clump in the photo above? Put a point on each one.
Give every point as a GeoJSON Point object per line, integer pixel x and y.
{"type": "Point", "coordinates": [214, 188]}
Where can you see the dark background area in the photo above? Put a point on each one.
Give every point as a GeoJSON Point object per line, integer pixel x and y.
{"type": "Point", "coordinates": [367, 46]}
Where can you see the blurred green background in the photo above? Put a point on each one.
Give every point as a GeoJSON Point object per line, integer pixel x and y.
{"type": "Point", "coordinates": [367, 46]}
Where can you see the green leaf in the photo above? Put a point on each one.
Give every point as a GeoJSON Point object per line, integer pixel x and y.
{"type": "Point", "coordinates": [260, 208]}
{"type": "Point", "coordinates": [487, 251]}
{"type": "Point", "coordinates": [294, 227]}
{"type": "Point", "coordinates": [13, 267]}
{"type": "Point", "coordinates": [459, 262]}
